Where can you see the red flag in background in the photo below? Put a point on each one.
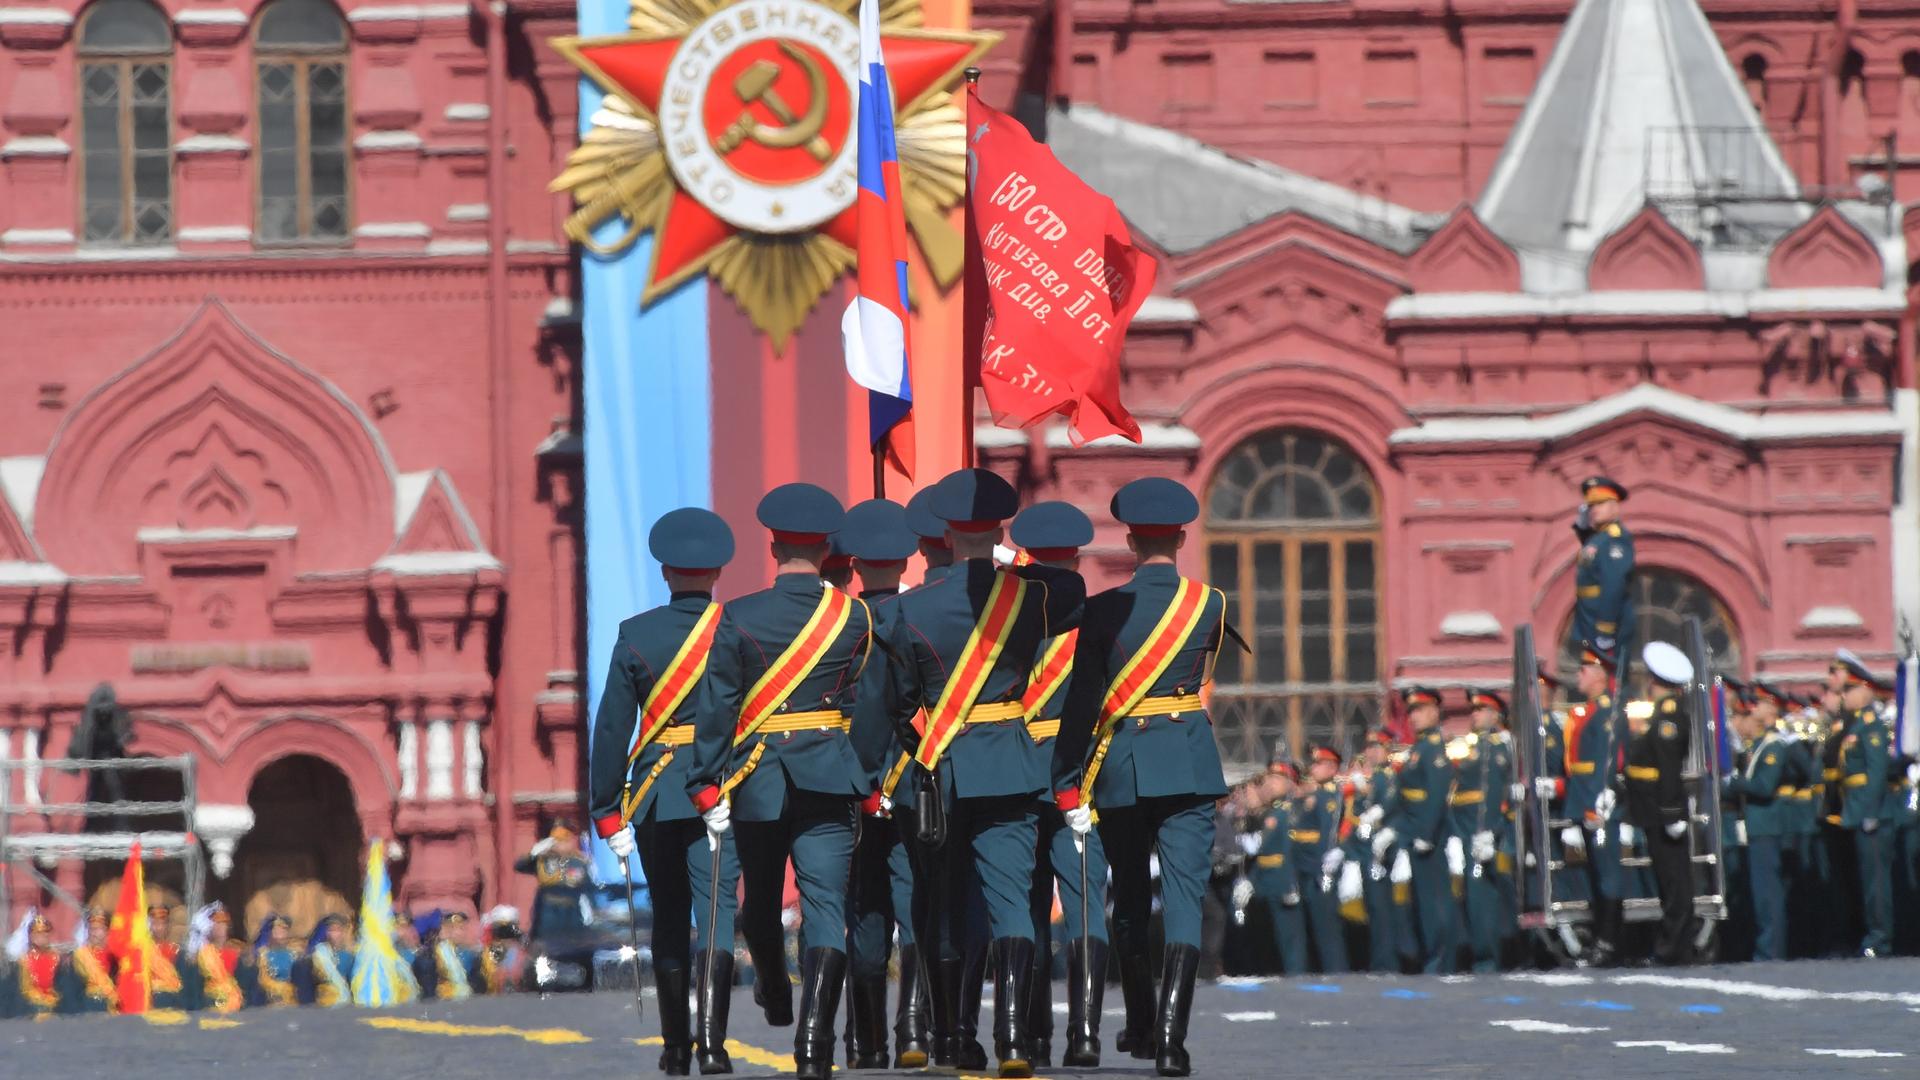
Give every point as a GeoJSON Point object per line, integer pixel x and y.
{"type": "Point", "coordinates": [130, 939]}
{"type": "Point", "coordinates": [1060, 279]}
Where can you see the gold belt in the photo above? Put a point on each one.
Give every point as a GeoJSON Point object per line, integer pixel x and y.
{"type": "Point", "coordinates": [1414, 794]}
{"type": "Point", "coordinates": [677, 735]}
{"type": "Point", "coordinates": [1043, 729]}
{"type": "Point", "coordinates": [672, 737]}
{"type": "Point", "coordinates": [1579, 768]}
{"type": "Point", "coordinates": [1467, 798]}
{"type": "Point", "coordinates": [996, 712]}
{"type": "Point", "coordinates": [818, 720]}
{"type": "Point", "coordinates": [1832, 775]}
{"type": "Point", "coordinates": [1588, 592]}
{"type": "Point", "coordinates": [1857, 780]}
{"type": "Point", "coordinates": [1643, 772]}
{"type": "Point", "coordinates": [1164, 706]}
{"type": "Point", "coordinates": [1269, 862]}
{"type": "Point", "coordinates": [1304, 836]}
{"type": "Point", "coordinates": [1787, 792]}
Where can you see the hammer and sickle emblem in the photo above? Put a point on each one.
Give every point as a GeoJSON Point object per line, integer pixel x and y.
{"type": "Point", "coordinates": [756, 84]}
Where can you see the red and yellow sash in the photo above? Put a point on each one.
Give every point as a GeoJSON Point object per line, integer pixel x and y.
{"type": "Point", "coordinates": [222, 990]}
{"type": "Point", "coordinates": [970, 671]}
{"type": "Point", "coordinates": [92, 966]}
{"type": "Point", "coordinates": [670, 690]}
{"type": "Point", "coordinates": [1143, 669]}
{"type": "Point", "coordinates": [1050, 674]}
{"type": "Point", "coordinates": [787, 672]}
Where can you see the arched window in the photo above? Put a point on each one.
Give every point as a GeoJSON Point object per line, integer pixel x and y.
{"type": "Point", "coordinates": [1293, 539]}
{"type": "Point", "coordinates": [1663, 599]}
{"type": "Point", "coordinates": [126, 123]}
{"type": "Point", "coordinates": [300, 57]}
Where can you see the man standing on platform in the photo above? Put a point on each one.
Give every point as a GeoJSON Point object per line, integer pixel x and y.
{"type": "Point", "coordinates": [774, 745]}
{"type": "Point", "coordinates": [962, 647]}
{"type": "Point", "coordinates": [1146, 651]}
{"type": "Point", "coordinates": [1480, 824]}
{"type": "Point", "coordinates": [1603, 609]}
{"type": "Point", "coordinates": [637, 784]}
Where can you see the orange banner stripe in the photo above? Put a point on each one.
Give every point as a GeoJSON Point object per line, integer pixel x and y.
{"type": "Point", "coordinates": [678, 680]}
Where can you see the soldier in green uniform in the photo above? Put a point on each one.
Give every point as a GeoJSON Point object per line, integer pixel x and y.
{"type": "Point", "coordinates": [1479, 823]}
{"type": "Point", "coordinates": [1314, 829]}
{"type": "Point", "coordinates": [1764, 786]}
{"type": "Point", "coordinates": [1424, 783]}
{"type": "Point", "coordinates": [1656, 795]}
{"type": "Point", "coordinates": [1388, 923]}
{"type": "Point", "coordinates": [1603, 608]}
{"type": "Point", "coordinates": [637, 789]}
{"type": "Point", "coordinates": [1270, 872]}
{"type": "Point", "coordinates": [1806, 893]}
{"type": "Point", "coordinates": [1590, 803]}
{"type": "Point", "coordinates": [1868, 808]}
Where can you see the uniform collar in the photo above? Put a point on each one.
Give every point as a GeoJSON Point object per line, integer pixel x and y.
{"type": "Point", "coordinates": [1156, 572]}
{"type": "Point", "coordinates": [878, 594]}
{"type": "Point", "coordinates": [799, 583]}
{"type": "Point", "coordinates": [691, 598]}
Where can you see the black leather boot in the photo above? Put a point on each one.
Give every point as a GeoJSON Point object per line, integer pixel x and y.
{"type": "Point", "coordinates": [1012, 996]}
{"type": "Point", "coordinates": [1136, 993]}
{"type": "Point", "coordinates": [822, 973]}
{"type": "Point", "coordinates": [867, 1021]}
{"type": "Point", "coordinates": [1086, 990]}
{"type": "Point", "coordinates": [1176, 1005]}
{"type": "Point", "coordinates": [771, 989]}
{"type": "Point", "coordinates": [910, 1047]}
{"type": "Point", "coordinates": [676, 1035]}
{"type": "Point", "coordinates": [1040, 1007]}
{"type": "Point", "coordinates": [716, 998]}
{"type": "Point", "coordinates": [967, 1051]}
{"type": "Point", "coordinates": [943, 987]}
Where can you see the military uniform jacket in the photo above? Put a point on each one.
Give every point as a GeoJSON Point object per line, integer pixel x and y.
{"type": "Point", "coordinates": [1766, 788]}
{"type": "Point", "coordinates": [1832, 794]}
{"type": "Point", "coordinates": [1151, 756]}
{"type": "Point", "coordinates": [930, 629]}
{"type": "Point", "coordinates": [1864, 755]}
{"type": "Point", "coordinates": [1603, 607]}
{"type": "Point", "coordinates": [1591, 754]}
{"type": "Point", "coordinates": [646, 644]}
{"type": "Point", "coordinates": [1313, 824]}
{"type": "Point", "coordinates": [1424, 783]}
{"type": "Point", "coordinates": [1804, 816]}
{"type": "Point", "coordinates": [1271, 868]}
{"type": "Point", "coordinates": [1656, 795]}
{"type": "Point", "coordinates": [881, 603]}
{"type": "Point", "coordinates": [753, 632]}
{"type": "Point", "coordinates": [1383, 792]}
{"type": "Point", "coordinates": [1480, 782]}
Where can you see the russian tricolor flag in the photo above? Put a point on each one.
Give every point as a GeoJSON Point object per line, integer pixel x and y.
{"type": "Point", "coordinates": [874, 329]}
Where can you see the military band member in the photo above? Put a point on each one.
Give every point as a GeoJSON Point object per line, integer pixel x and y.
{"type": "Point", "coordinates": [1052, 534]}
{"type": "Point", "coordinates": [1424, 783]}
{"type": "Point", "coordinates": [1593, 739]}
{"type": "Point", "coordinates": [1764, 786]}
{"type": "Point", "coordinates": [1806, 894]}
{"type": "Point", "coordinates": [774, 749]}
{"type": "Point", "coordinates": [90, 985]}
{"type": "Point", "coordinates": [39, 982]}
{"type": "Point", "coordinates": [223, 972]}
{"type": "Point", "coordinates": [880, 900]}
{"type": "Point", "coordinates": [1481, 778]}
{"type": "Point", "coordinates": [275, 956]}
{"type": "Point", "coordinates": [1603, 609]}
{"type": "Point", "coordinates": [165, 985]}
{"type": "Point", "coordinates": [1389, 925]}
{"type": "Point", "coordinates": [962, 648]}
{"type": "Point", "coordinates": [325, 978]}
{"type": "Point", "coordinates": [1272, 875]}
{"type": "Point", "coordinates": [1314, 828]}
{"type": "Point", "coordinates": [637, 788]}
{"type": "Point", "coordinates": [1656, 795]}
{"type": "Point", "coordinates": [1146, 651]}
{"type": "Point", "coordinates": [1868, 807]}
{"type": "Point", "coordinates": [1838, 867]}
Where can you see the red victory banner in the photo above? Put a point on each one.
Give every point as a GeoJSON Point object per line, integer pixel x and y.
{"type": "Point", "coordinates": [130, 939]}
{"type": "Point", "coordinates": [1053, 279]}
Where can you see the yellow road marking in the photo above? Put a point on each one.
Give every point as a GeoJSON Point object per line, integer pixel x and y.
{"type": "Point", "coordinates": [211, 1024]}
{"type": "Point", "coordinates": [164, 1017]}
{"type": "Point", "coordinates": [752, 1055]}
{"type": "Point", "coordinates": [542, 1036]}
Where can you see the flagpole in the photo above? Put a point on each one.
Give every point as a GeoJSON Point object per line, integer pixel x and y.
{"type": "Point", "coordinates": [969, 365]}
{"type": "Point", "coordinates": [880, 472]}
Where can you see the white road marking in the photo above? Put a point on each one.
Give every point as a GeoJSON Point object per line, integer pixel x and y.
{"type": "Point", "coordinates": [1677, 1047]}
{"type": "Point", "coordinates": [1858, 1053]}
{"type": "Point", "coordinates": [1245, 980]}
{"type": "Point", "coordinates": [1113, 1012]}
{"type": "Point", "coordinates": [1456, 978]}
{"type": "Point", "coordinates": [1551, 978]}
{"type": "Point", "coordinates": [1060, 1007]}
{"type": "Point", "coordinates": [1326, 1023]}
{"type": "Point", "coordinates": [1248, 1017]}
{"type": "Point", "coordinates": [1545, 1027]}
{"type": "Point", "coordinates": [1766, 991]}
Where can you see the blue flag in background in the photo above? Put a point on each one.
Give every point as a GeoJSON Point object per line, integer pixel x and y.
{"type": "Point", "coordinates": [1723, 739]}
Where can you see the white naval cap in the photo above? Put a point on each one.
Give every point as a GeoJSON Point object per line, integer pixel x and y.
{"type": "Point", "coordinates": [1667, 663]}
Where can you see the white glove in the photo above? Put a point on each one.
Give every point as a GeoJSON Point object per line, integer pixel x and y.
{"type": "Point", "coordinates": [1870, 825]}
{"type": "Point", "coordinates": [620, 843]}
{"type": "Point", "coordinates": [1603, 806]}
{"type": "Point", "coordinates": [1383, 843]}
{"type": "Point", "coordinates": [719, 820]}
{"type": "Point", "coordinates": [1545, 787]}
{"type": "Point", "coordinates": [1483, 848]}
{"type": "Point", "coordinates": [1350, 883]}
{"type": "Point", "coordinates": [1677, 830]}
{"type": "Point", "coordinates": [1292, 899]}
{"type": "Point", "coordinates": [1080, 820]}
{"type": "Point", "coordinates": [1627, 832]}
{"type": "Point", "coordinates": [546, 845]}
{"type": "Point", "coordinates": [1242, 893]}
{"type": "Point", "coordinates": [1249, 843]}
{"type": "Point", "coordinates": [1402, 869]}
{"type": "Point", "coordinates": [1422, 847]}
{"type": "Point", "coordinates": [1913, 773]}
{"type": "Point", "coordinates": [1456, 856]}
{"type": "Point", "coordinates": [1372, 818]}
{"type": "Point", "coordinates": [1517, 793]}
{"type": "Point", "coordinates": [1330, 862]}
{"type": "Point", "coordinates": [1573, 839]}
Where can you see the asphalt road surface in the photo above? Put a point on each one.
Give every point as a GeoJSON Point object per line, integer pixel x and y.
{"type": "Point", "coordinates": [1831, 1018]}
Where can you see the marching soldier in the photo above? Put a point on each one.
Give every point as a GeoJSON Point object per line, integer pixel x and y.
{"type": "Point", "coordinates": [1480, 784]}
{"type": "Point", "coordinates": [1314, 828]}
{"type": "Point", "coordinates": [637, 787]}
{"type": "Point", "coordinates": [1272, 876]}
{"type": "Point", "coordinates": [1387, 923]}
{"type": "Point", "coordinates": [1052, 534]}
{"type": "Point", "coordinates": [1839, 870]}
{"type": "Point", "coordinates": [1656, 795]}
{"type": "Point", "coordinates": [1145, 652]}
{"type": "Point", "coordinates": [1805, 891]}
{"type": "Point", "coordinates": [962, 647]}
{"type": "Point", "coordinates": [1591, 742]}
{"type": "Point", "coordinates": [1424, 784]}
{"type": "Point", "coordinates": [880, 894]}
{"type": "Point", "coordinates": [1603, 611]}
{"type": "Point", "coordinates": [774, 745]}
{"type": "Point", "coordinates": [1765, 785]}
{"type": "Point", "coordinates": [1868, 808]}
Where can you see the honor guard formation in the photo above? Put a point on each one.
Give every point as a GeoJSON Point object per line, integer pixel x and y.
{"type": "Point", "coordinates": [991, 778]}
